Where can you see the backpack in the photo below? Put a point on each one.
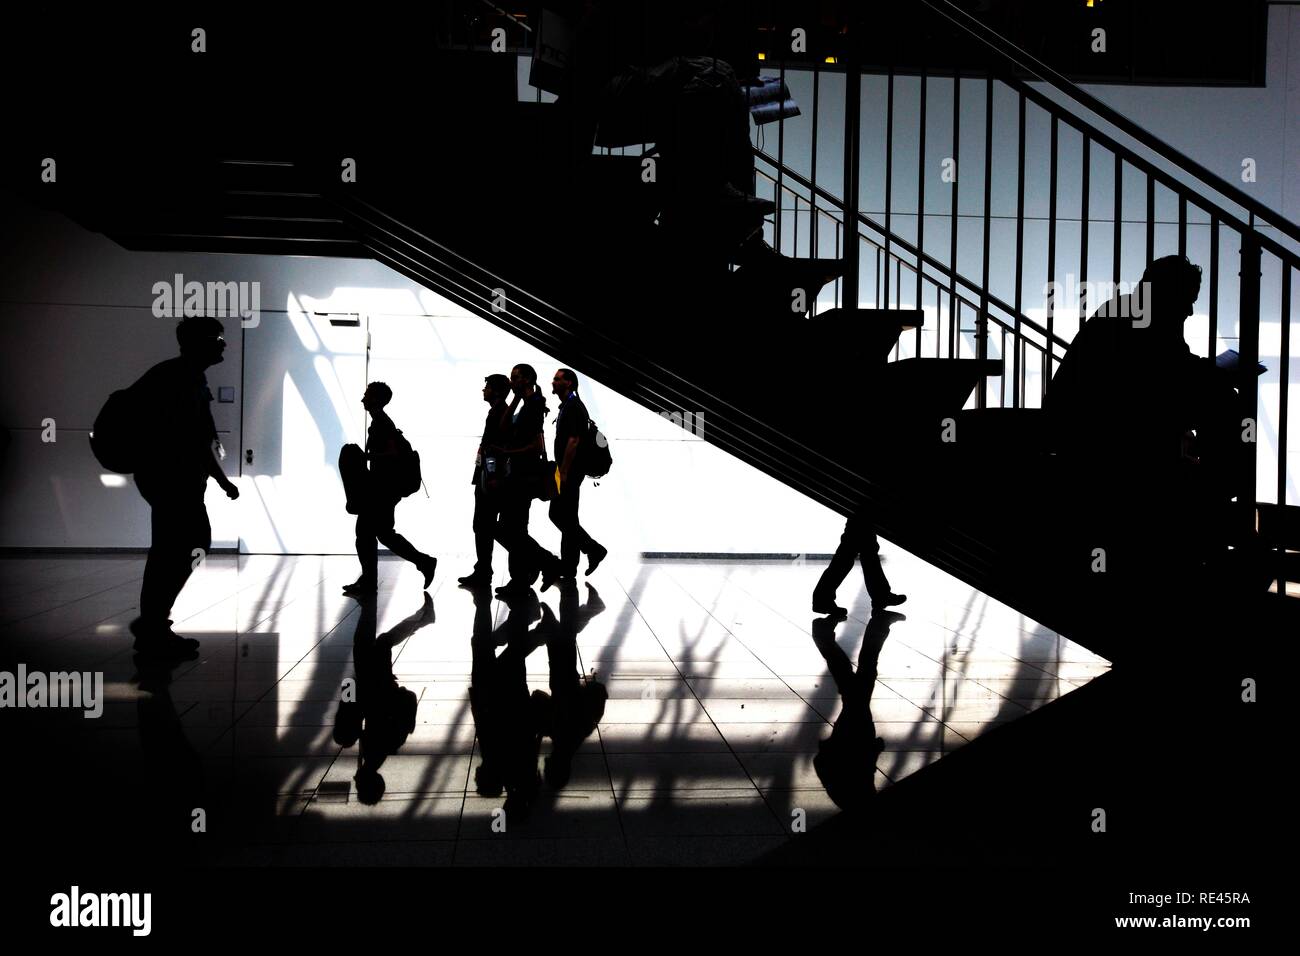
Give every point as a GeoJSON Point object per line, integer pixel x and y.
{"type": "Point", "coordinates": [406, 476]}
{"type": "Point", "coordinates": [116, 439]}
{"type": "Point", "coordinates": [596, 459]}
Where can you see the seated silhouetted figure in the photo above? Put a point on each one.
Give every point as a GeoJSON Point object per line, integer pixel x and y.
{"type": "Point", "coordinates": [178, 461]}
{"type": "Point", "coordinates": [373, 497]}
{"type": "Point", "coordinates": [857, 543]}
{"type": "Point", "coordinates": [1139, 424]}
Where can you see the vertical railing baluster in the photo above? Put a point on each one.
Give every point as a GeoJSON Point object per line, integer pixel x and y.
{"type": "Point", "coordinates": [1117, 263]}
{"type": "Point", "coordinates": [1284, 375]}
{"type": "Point", "coordinates": [812, 177]}
{"type": "Point", "coordinates": [920, 214]}
{"type": "Point", "coordinates": [1248, 384]}
{"type": "Point", "coordinates": [852, 121]}
{"type": "Point", "coordinates": [841, 293]}
{"type": "Point", "coordinates": [1051, 258]}
{"type": "Point", "coordinates": [1212, 346]}
{"type": "Point", "coordinates": [1182, 225]}
{"type": "Point", "coordinates": [1083, 230]}
{"type": "Point", "coordinates": [1002, 380]}
{"type": "Point", "coordinates": [1017, 395]}
{"type": "Point", "coordinates": [1151, 217]}
{"type": "Point", "coordinates": [875, 294]}
{"type": "Point", "coordinates": [889, 174]}
{"type": "Point", "coordinates": [796, 221]}
{"type": "Point", "coordinates": [981, 320]}
{"type": "Point", "coordinates": [780, 160]}
{"type": "Point", "coordinates": [954, 317]}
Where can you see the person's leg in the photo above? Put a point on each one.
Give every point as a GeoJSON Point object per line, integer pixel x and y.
{"type": "Point", "coordinates": [196, 535]}
{"type": "Point", "coordinates": [528, 559]}
{"type": "Point", "coordinates": [882, 595]}
{"type": "Point", "coordinates": [872, 572]}
{"type": "Point", "coordinates": [838, 569]}
{"type": "Point", "coordinates": [485, 519]}
{"type": "Point", "coordinates": [586, 544]}
{"type": "Point", "coordinates": [564, 515]}
{"type": "Point", "coordinates": [385, 531]}
{"type": "Point", "coordinates": [512, 534]}
{"type": "Point", "coordinates": [367, 548]}
{"type": "Point", "coordinates": [154, 607]}
{"type": "Point", "coordinates": [179, 525]}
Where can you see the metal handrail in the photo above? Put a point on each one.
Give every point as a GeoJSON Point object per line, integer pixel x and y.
{"type": "Point", "coordinates": [945, 271]}
{"type": "Point", "coordinates": [1013, 55]}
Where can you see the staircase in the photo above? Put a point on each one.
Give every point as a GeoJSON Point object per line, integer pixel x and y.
{"type": "Point", "coordinates": [849, 405]}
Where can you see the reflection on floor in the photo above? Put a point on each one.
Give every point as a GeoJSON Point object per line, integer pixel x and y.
{"type": "Point", "coordinates": [683, 711]}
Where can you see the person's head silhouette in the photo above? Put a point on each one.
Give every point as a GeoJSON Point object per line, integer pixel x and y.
{"type": "Point", "coordinates": [377, 395]}
{"type": "Point", "coordinates": [496, 388]}
{"type": "Point", "coordinates": [202, 339]}
{"type": "Point", "coordinates": [1168, 291]}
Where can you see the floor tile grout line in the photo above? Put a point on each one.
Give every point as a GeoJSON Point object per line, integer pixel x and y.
{"type": "Point", "coordinates": [682, 678]}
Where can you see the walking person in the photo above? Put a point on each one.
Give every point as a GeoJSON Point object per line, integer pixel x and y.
{"type": "Point", "coordinates": [523, 446]}
{"type": "Point", "coordinates": [570, 434]}
{"type": "Point", "coordinates": [177, 461]}
{"type": "Point", "coordinates": [373, 494]}
{"type": "Point", "coordinates": [488, 474]}
{"type": "Point", "coordinates": [858, 542]}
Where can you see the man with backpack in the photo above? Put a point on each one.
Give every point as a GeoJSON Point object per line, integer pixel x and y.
{"type": "Point", "coordinates": [373, 495]}
{"type": "Point", "coordinates": [571, 434]}
{"type": "Point", "coordinates": [169, 447]}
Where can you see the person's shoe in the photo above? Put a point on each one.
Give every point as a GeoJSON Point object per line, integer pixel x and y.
{"type": "Point", "coordinates": [594, 559]}
{"type": "Point", "coordinates": [551, 575]}
{"type": "Point", "coordinates": [513, 592]}
{"type": "Point", "coordinates": [190, 643]}
{"type": "Point", "coordinates": [361, 586]}
{"type": "Point", "coordinates": [888, 600]}
{"type": "Point", "coordinates": [428, 569]}
{"type": "Point", "coordinates": [827, 605]}
{"type": "Point", "coordinates": [475, 580]}
{"type": "Point", "coordinates": [158, 642]}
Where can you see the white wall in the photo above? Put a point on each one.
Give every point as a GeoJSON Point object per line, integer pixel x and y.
{"type": "Point", "coordinates": [76, 323]}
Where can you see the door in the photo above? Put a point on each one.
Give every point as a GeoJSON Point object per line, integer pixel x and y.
{"type": "Point", "coordinates": [304, 374]}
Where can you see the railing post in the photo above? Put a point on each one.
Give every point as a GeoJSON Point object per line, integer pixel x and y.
{"type": "Point", "coordinates": [1248, 348]}
{"type": "Point", "coordinates": [852, 119]}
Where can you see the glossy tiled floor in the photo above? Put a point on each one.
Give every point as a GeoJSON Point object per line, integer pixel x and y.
{"type": "Point", "coordinates": [717, 690]}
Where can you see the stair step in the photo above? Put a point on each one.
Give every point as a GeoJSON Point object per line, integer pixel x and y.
{"type": "Point", "coordinates": [903, 318]}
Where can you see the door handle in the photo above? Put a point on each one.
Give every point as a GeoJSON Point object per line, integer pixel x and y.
{"type": "Point", "coordinates": [248, 456]}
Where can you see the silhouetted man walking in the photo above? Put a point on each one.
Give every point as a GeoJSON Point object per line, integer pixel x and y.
{"type": "Point", "coordinates": [489, 471]}
{"type": "Point", "coordinates": [374, 497]}
{"type": "Point", "coordinates": [570, 434]}
{"type": "Point", "coordinates": [524, 448]}
{"type": "Point", "coordinates": [858, 542]}
{"type": "Point", "coordinates": [178, 461]}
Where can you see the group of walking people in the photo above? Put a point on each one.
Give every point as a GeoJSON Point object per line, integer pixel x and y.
{"type": "Point", "coordinates": [511, 469]}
